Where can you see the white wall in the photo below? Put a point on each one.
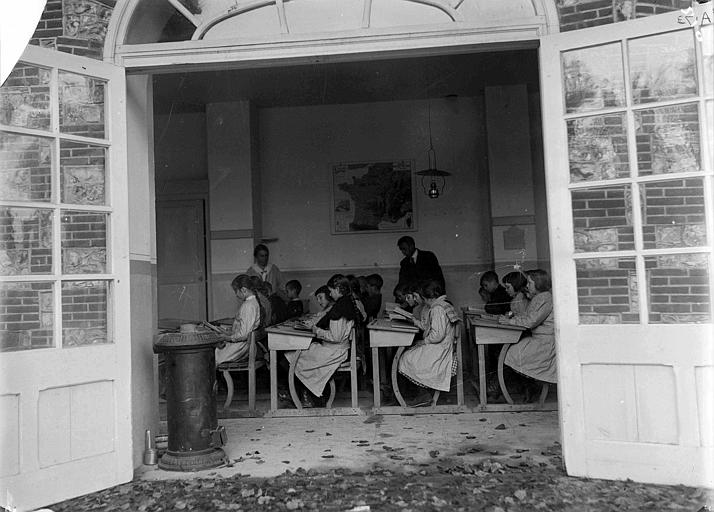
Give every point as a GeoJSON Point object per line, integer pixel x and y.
{"type": "Point", "coordinates": [180, 147]}
{"type": "Point", "coordinates": [298, 144]}
{"type": "Point", "coordinates": [142, 246]}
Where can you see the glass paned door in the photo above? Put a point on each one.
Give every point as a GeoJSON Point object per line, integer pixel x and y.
{"type": "Point", "coordinates": [628, 143]}
{"type": "Point", "coordinates": [64, 280]}
{"type": "Point", "coordinates": [54, 174]}
{"type": "Point", "coordinates": [622, 151]}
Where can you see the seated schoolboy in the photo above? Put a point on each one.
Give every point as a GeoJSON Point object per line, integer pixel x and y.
{"type": "Point", "coordinates": [497, 300]}
{"type": "Point", "coordinates": [293, 289]}
{"type": "Point", "coordinates": [279, 310]}
{"type": "Point", "coordinates": [430, 362]}
{"type": "Point", "coordinates": [400, 296]}
{"type": "Point", "coordinates": [247, 320]}
{"type": "Point", "coordinates": [330, 347]}
{"type": "Point", "coordinates": [373, 298]}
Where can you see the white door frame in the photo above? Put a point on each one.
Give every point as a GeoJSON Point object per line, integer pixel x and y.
{"type": "Point", "coordinates": [678, 351]}
{"type": "Point", "coordinates": [351, 45]}
{"type": "Point", "coordinates": [51, 470]}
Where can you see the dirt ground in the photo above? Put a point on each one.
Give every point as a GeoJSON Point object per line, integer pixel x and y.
{"type": "Point", "coordinates": [493, 463]}
{"type": "Point", "coordinates": [493, 485]}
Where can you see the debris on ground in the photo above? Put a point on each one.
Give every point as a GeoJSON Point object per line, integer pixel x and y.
{"type": "Point", "coordinates": [446, 484]}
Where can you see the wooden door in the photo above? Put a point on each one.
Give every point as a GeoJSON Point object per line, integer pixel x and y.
{"type": "Point", "coordinates": [181, 259]}
{"type": "Point", "coordinates": [65, 389]}
{"type": "Point", "coordinates": [628, 142]}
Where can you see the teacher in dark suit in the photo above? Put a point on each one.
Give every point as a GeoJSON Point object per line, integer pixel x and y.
{"type": "Point", "coordinates": [418, 265]}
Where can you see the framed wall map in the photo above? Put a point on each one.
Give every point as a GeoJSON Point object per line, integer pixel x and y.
{"type": "Point", "coordinates": [374, 196]}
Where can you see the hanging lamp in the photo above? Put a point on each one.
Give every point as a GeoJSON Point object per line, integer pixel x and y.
{"type": "Point", "coordinates": [437, 177]}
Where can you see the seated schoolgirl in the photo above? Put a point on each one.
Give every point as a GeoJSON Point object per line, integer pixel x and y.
{"type": "Point", "coordinates": [417, 305]}
{"type": "Point", "coordinates": [372, 299]}
{"type": "Point", "coordinates": [430, 362]}
{"type": "Point", "coordinates": [246, 321]}
{"type": "Point", "coordinates": [262, 293]}
{"type": "Point", "coordinates": [356, 292]}
{"type": "Point", "coordinates": [534, 355]}
{"type": "Point", "coordinates": [324, 301]}
{"type": "Point", "coordinates": [515, 284]}
{"type": "Point", "coordinates": [330, 347]}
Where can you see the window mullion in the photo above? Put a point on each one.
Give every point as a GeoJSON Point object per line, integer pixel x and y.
{"type": "Point", "coordinates": [56, 213]}
{"type": "Point", "coordinates": [635, 198]}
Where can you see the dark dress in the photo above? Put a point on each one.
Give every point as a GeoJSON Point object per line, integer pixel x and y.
{"type": "Point", "coordinates": [280, 309]}
{"type": "Point", "coordinates": [295, 308]}
{"type": "Point", "coordinates": [499, 303]}
{"type": "Point", "coordinates": [426, 267]}
{"type": "Point", "coordinates": [372, 305]}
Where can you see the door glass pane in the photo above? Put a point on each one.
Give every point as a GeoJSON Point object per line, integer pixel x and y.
{"type": "Point", "coordinates": [597, 148]}
{"type": "Point", "coordinates": [602, 219]}
{"type": "Point", "coordinates": [593, 78]}
{"type": "Point", "coordinates": [607, 291]}
{"type": "Point", "coordinates": [673, 214]}
{"type": "Point", "coordinates": [662, 67]}
{"type": "Point", "coordinates": [81, 105]}
{"type": "Point", "coordinates": [82, 172]}
{"type": "Point", "coordinates": [84, 313]}
{"type": "Point", "coordinates": [707, 46]}
{"type": "Point", "coordinates": [25, 168]}
{"type": "Point", "coordinates": [25, 97]}
{"type": "Point", "coordinates": [26, 316]}
{"type": "Point", "coordinates": [678, 288]}
{"type": "Point", "coordinates": [668, 139]}
{"type": "Point", "coordinates": [84, 242]}
{"type": "Point", "coordinates": [26, 241]}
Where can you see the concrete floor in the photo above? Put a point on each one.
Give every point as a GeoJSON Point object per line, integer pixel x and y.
{"type": "Point", "coordinates": [266, 447]}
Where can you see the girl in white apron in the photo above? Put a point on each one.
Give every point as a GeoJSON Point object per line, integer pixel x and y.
{"type": "Point", "coordinates": [330, 347]}
{"type": "Point", "coordinates": [430, 362]}
{"type": "Point", "coordinates": [246, 321]}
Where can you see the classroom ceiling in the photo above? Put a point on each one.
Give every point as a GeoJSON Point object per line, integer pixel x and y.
{"type": "Point", "coordinates": [348, 82]}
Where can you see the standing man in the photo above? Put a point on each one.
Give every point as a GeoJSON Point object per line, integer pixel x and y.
{"type": "Point", "coordinates": [266, 271]}
{"type": "Point", "coordinates": [418, 265]}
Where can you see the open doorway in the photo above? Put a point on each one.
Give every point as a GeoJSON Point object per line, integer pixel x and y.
{"type": "Point", "coordinates": [262, 144]}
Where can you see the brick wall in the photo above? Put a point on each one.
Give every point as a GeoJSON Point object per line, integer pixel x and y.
{"type": "Point", "coordinates": [601, 219]}
{"type": "Point", "coordinates": [577, 14]}
{"type": "Point", "coordinates": [674, 214]}
{"type": "Point", "coordinates": [84, 312]}
{"type": "Point", "coordinates": [25, 241]}
{"type": "Point", "coordinates": [84, 242]}
{"type": "Point", "coordinates": [74, 26]}
{"type": "Point", "coordinates": [678, 288]}
{"type": "Point", "coordinates": [25, 316]}
{"type": "Point", "coordinates": [25, 98]}
{"type": "Point", "coordinates": [607, 291]}
{"type": "Point", "coordinates": [25, 167]}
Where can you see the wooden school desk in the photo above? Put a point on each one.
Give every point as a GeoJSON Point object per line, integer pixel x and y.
{"type": "Point", "coordinates": [284, 337]}
{"type": "Point", "coordinates": [483, 332]}
{"type": "Point", "coordinates": [386, 333]}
